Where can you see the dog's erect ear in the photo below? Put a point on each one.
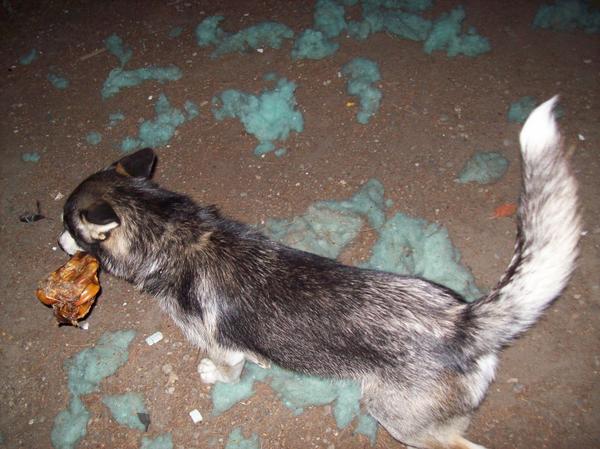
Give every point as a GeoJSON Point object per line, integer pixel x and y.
{"type": "Point", "coordinates": [100, 219]}
{"type": "Point", "coordinates": [138, 164]}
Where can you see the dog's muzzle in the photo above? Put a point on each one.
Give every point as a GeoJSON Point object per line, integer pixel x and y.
{"type": "Point", "coordinates": [68, 243]}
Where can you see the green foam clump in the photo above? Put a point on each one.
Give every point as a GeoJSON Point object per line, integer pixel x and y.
{"type": "Point", "coordinates": [446, 35]}
{"type": "Point", "coordinates": [264, 34]}
{"type": "Point", "coordinates": [89, 367]}
{"type": "Point", "coordinates": [191, 109]}
{"type": "Point", "coordinates": [395, 17]}
{"type": "Point", "coordinates": [327, 227]}
{"type": "Point", "coordinates": [407, 26]}
{"type": "Point", "coordinates": [236, 440]}
{"type": "Point", "coordinates": [70, 425]}
{"type": "Point", "coordinates": [58, 81]}
{"type": "Point", "coordinates": [29, 57]}
{"type": "Point", "coordinates": [296, 391]}
{"type": "Point", "coordinates": [114, 44]}
{"type": "Point", "coordinates": [225, 396]}
{"type": "Point", "coordinates": [568, 15]}
{"type": "Point", "coordinates": [313, 44]}
{"type": "Point", "coordinates": [160, 442]}
{"type": "Point", "coordinates": [413, 246]}
{"type": "Point", "coordinates": [520, 109]}
{"type": "Point", "coordinates": [85, 372]}
{"type": "Point", "coordinates": [329, 18]}
{"type": "Point", "coordinates": [115, 118]}
{"type": "Point", "coordinates": [270, 116]}
{"type": "Point", "coordinates": [125, 408]}
{"type": "Point", "coordinates": [483, 168]}
{"type": "Point", "coordinates": [367, 425]}
{"type": "Point", "coordinates": [361, 74]}
{"type": "Point", "coordinates": [93, 138]}
{"type": "Point", "coordinates": [158, 132]}
{"type": "Point", "coordinates": [30, 157]}
{"type": "Point", "coordinates": [120, 78]}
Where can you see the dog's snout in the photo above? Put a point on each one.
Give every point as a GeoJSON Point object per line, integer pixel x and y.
{"type": "Point", "coordinates": [68, 243]}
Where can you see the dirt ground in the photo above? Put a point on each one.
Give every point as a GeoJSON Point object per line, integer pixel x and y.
{"type": "Point", "coordinates": [436, 112]}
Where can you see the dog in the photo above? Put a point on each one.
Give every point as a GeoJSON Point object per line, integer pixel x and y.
{"type": "Point", "coordinates": [423, 356]}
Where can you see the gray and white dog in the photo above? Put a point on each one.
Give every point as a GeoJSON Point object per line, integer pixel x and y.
{"type": "Point", "coordinates": [423, 356]}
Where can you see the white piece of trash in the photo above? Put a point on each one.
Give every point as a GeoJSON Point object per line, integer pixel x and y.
{"type": "Point", "coordinates": [196, 416]}
{"type": "Point", "coordinates": [154, 338]}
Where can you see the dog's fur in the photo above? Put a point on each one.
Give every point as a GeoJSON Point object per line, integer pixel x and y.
{"type": "Point", "coordinates": [424, 357]}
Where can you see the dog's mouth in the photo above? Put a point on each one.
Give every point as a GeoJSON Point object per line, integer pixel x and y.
{"type": "Point", "coordinates": [68, 243]}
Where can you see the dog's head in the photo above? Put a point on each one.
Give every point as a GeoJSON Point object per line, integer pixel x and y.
{"type": "Point", "coordinates": [96, 214]}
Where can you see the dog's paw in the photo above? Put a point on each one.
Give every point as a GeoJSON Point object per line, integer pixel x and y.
{"type": "Point", "coordinates": [209, 373]}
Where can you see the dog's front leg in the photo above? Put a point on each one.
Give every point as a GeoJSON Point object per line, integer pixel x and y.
{"type": "Point", "coordinates": [221, 366]}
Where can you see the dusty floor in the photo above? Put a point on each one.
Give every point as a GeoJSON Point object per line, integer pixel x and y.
{"type": "Point", "coordinates": [435, 113]}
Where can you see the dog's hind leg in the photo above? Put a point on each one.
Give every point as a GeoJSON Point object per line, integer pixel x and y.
{"type": "Point", "coordinates": [221, 366]}
{"type": "Point", "coordinates": [413, 417]}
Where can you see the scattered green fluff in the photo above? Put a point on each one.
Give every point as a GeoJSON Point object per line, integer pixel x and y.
{"type": "Point", "coordinates": [158, 132]}
{"type": "Point", "coordinates": [568, 15]}
{"type": "Point", "coordinates": [114, 44]}
{"type": "Point", "coordinates": [296, 391]}
{"type": "Point", "coordinates": [115, 118]}
{"type": "Point", "coordinates": [520, 109]}
{"type": "Point", "coordinates": [125, 408]}
{"type": "Point", "coordinates": [280, 152]}
{"type": "Point", "coordinates": [368, 202]}
{"type": "Point", "coordinates": [264, 34]}
{"type": "Point", "coordinates": [483, 168]}
{"type": "Point", "coordinates": [191, 109]}
{"type": "Point", "coordinates": [392, 16]}
{"type": "Point", "coordinates": [312, 44]}
{"type": "Point", "coordinates": [30, 157]}
{"type": "Point", "coordinates": [320, 230]}
{"type": "Point", "coordinates": [367, 426]}
{"type": "Point", "coordinates": [413, 246]}
{"type": "Point", "coordinates": [119, 78]}
{"type": "Point", "coordinates": [209, 33]}
{"type": "Point", "coordinates": [269, 116]}
{"type": "Point", "coordinates": [407, 26]}
{"type": "Point", "coordinates": [408, 5]}
{"type": "Point", "coordinates": [58, 81]}
{"type": "Point", "coordinates": [175, 32]}
{"type": "Point", "coordinates": [70, 425]}
{"type": "Point", "coordinates": [86, 370]}
{"type": "Point", "coordinates": [362, 73]}
{"type": "Point", "coordinates": [94, 138]}
{"type": "Point", "coordinates": [446, 34]}
{"type": "Point", "coordinates": [327, 227]}
{"type": "Point", "coordinates": [29, 57]}
{"type": "Point", "coordinates": [89, 367]}
{"type": "Point", "coordinates": [164, 441]}
{"type": "Point", "coordinates": [236, 440]}
{"type": "Point", "coordinates": [225, 396]}
{"type": "Point", "coordinates": [329, 18]}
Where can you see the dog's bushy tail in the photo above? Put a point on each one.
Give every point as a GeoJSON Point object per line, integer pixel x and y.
{"type": "Point", "coordinates": [549, 227]}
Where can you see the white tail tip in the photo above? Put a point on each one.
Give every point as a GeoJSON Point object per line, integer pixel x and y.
{"type": "Point", "coordinates": [540, 130]}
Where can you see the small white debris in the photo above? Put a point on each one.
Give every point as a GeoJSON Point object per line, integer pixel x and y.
{"type": "Point", "coordinates": [58, 196]}
{"type": "Point", "coordinates": [85, 325]}
{"type": "Point", "coordinates": [149, 97]}
{"type": "Point", "coordinates": [260, 50]}
{"type": "Point", "coordinates": [54, 248]}
{"type": "Point", "coordinates": [581, 137]}
{"type": "Point", "coordinates": [154, 338]}
{"type": "Point", "coordinates": [587, 61]}
{"type": "Point", "coordinates": [196, 416]}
